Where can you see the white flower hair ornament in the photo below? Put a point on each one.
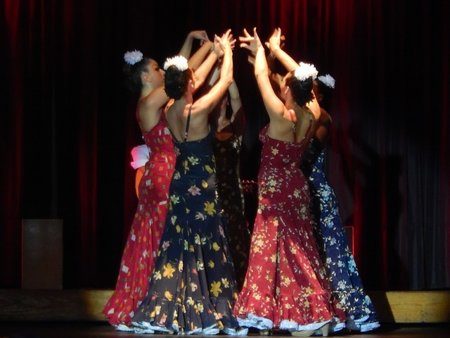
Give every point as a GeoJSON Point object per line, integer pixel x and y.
{"type": "Point", "coordinates": [327, 80]}
{"type": "Point", "coordinates": [180, 62]}
{"type": "Point", "coordinates": [133, 57]}
{"type": "Point", "coordinates": [305, 71]}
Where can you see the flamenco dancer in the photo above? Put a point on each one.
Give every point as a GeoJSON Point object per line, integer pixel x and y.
{"type": "Point", "coordinates": [229, 123]}
{"type": "Point", "coordinates": [342, 272]}
{"type": "Point", "coordinates": [192, 290]}
{"type": "Point", "coordinates": [285, 286]}
{"type": "Point", "coordinates": [145, 77]}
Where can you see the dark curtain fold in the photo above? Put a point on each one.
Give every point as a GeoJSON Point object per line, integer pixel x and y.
{"type": "Point", "coordinates": [68, 124]}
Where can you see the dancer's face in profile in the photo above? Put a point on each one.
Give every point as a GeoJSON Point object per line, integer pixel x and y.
{"type": "Point", "coordinates": [154, 74]}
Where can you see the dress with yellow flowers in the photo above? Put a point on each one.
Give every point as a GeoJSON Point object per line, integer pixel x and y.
{"type": "Point", "coordinates": [285, 285]}
{"type": "Point", "coordinates": [192, 290]}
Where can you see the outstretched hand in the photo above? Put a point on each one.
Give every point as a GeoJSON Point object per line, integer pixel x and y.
{"type": "Point", "coordinates": [251, 43]}
{"type": "Point", "coordinates": [276, 40]}
{"type": "Point", "coordinates": [223, 42]}
{"type": "Point", "coordinates": [200, 35]}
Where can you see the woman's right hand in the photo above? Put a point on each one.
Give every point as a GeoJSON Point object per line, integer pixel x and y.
{"type": "Point", "coordinates": [221, 44]}
{"type": "Point", "coordinates": [199, 35]}
{"type": "Point", "coordinates": [251, 43]}
{"type": "Point", "coordinates": [275, 41]}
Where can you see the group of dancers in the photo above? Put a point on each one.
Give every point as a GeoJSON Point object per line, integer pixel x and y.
{"type": "Point", "coordinates": [190, 264]}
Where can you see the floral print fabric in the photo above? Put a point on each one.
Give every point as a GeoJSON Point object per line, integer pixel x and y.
{"type": "Point", "coordinates": [143, 240]}
{"type": "Point", "coordinates": [231, 197]}
{"type": "Point", "coordinates": [192, 290]}
{"type": "Point", "coordinates": [285, 284]}
{"type": "Point", "coordinates": [341, 269]}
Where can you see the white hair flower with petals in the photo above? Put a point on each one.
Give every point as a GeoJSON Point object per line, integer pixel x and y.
{"type": "Point", "coordinates": [180, 62]}
{"type": "Point", "coordinates": [327, 80]}
{"type": "Point", "coordinates": [133, 57]}
{"type": "Point", "coordinates": [305, 71]}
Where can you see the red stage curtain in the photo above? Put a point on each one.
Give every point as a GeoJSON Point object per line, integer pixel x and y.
{"type": "Point", "coordinates": [67, 123]}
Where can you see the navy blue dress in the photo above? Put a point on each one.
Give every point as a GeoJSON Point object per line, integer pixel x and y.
{"type": "Point", "coordinates": [193, 286]}
{"type": "Point", "coordinates": [342, 272]}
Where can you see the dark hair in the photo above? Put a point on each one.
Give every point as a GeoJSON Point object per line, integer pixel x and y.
{"type": "Point", "coordinates": [133, 74]}
{"type": "Point", "coordinates": [301, 90]}
{"type": "Point", "coordinates": [176, 81]}
{"type": "Point", "coordinates": [326, 93]}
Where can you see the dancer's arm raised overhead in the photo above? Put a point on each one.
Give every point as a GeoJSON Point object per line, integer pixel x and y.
{"type": "Point", "coordinates": [235, 99]}
{"type": "Point", "coordinates": [156, 98]}
{"type": "Point", "coordinates": [223, 121]}
{"type": "Point", "coordinates": [298, 102]}
{"type": "Point", "coordinates": [200, 55]}
{"type": "Point", "coordinates": [179, 81]}
{"type": "Point", "coordinates": [217, 52]}
{"type": "Point", "coordinates": [187, 45]}
{"type": "Point", "coordinates": [274, 45]}
{"type": "Point", "coordinates": [151, 79]}
{"type": "Point", "coordinates": [207, 102]}
{"type": "Point", "coordinates": [273, 104]}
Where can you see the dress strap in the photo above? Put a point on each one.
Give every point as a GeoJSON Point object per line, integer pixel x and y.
{"type": "Point", "coordinates": [186, 131]}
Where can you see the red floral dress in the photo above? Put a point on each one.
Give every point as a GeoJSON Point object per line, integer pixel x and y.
{"type": "Point", "coordinates": [143, 240]}
{"type": "Point", "coordinates": [285, 284]}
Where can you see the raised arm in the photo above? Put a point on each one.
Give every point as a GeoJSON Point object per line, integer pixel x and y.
{"type": "Point", "coordinates": [274, 45]}
{"type": "Point", "coordinates": [276, 79]}
{"type": "Point", "coordinates": [235, 99]}
{"type": "Point", "coordinates": [187, 45]}
{"type": "Point", "coordinates": [207, 102]}
{"type": "Point", "coordinates": [202, 72]}
{"type": "Point", "coordinates": [155, 99]}
{"type": "Point", "coordinates": [273, 104]}
{"type": "Point", "coordinates": [199, 56]}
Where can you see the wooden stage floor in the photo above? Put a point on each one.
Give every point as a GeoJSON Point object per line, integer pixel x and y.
{"type": "Point", "coordinates": [99, 330]}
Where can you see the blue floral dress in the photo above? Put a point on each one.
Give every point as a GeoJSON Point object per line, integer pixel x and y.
{"type": "Point", "coordinates": [192, 290]}
{"type": "Point", "coordinates": [342, 273]}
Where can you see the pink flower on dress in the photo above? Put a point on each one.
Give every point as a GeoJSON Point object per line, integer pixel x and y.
{"type": "Point", "coordinates": [194, 190]}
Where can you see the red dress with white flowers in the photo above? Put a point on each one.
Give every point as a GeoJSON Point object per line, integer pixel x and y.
{"type": "Point", "coordinates": [285, 283]}
{"type": "Point", "coordinates": [143, 240]}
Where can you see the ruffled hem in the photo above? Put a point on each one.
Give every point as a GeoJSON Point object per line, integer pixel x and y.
{"type": "Point", "coordinates": [364, 324]}
{"type": "Point", "coordinates": [366, 327]}
{"type": "Point", "coordinates": [236, 332]}
{"type": "Point", "coordinates": [184, 318]}
{"type": "Point", "coordinates": [290, 325]}
{"type": "Point", "coordinates": [123, 328]}
{"type": "Point", "coordinates": [284, 312]}
{"type": "Point", "coordinates": [146, 327]}
{"type": "Point", "coordinates": [255, 321]}
{"type": "Point", "coordinates": [262, 323]}
{"type": "Point", "coordinates": [337, 326]}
